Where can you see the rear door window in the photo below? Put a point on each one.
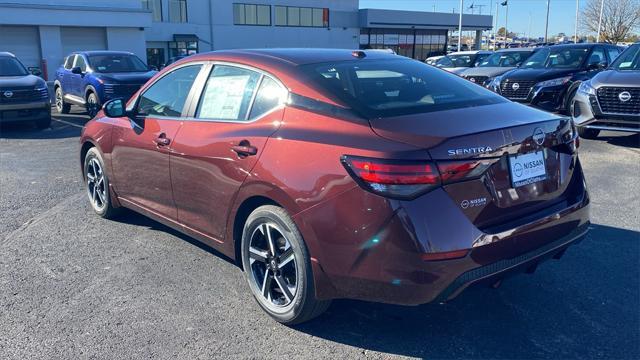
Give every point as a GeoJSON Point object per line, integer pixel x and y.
{"type": "Point", "coordinates": [228, 94]}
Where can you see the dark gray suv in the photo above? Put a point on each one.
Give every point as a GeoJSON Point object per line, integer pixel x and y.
{"type": "Point", "coordinates": [611, 99]}
{"type": "Point", "coordinates": [23, 96]}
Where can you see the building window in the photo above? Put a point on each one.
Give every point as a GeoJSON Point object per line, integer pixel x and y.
{"type": "Point", "coordinates": [182, 48]}
{"type": "Point", "coordinates": [251, 14]}
{"type": "Point", "coordinates": [178, 11]}
{"type": "Point", "coordinates": [301, 16]}
{"type": "Point", "coordinates": [156, 8]}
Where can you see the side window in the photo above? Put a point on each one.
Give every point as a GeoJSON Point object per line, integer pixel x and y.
{"type": "Point", "coordinates": [269, 95]}
{"type": "Point", "coordinates": [166, 97]}
{"type": "Point", "coordinates": [613, 53]}
{"type": "Point", "coordinates": [68, 64]}
{"type": "Point", "coordinates": [597, 56]}
{"type": "Point", "coordinates": [80, 63]}
{"type": "Point", "coordinates": [228, 93]}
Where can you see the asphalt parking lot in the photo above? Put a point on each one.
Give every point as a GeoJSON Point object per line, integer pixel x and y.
{"type": "Point", "coordinates": [73, 285]}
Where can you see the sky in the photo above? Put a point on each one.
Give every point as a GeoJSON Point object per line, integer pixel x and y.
{"type": "Point", "coordinates": [562, 13]}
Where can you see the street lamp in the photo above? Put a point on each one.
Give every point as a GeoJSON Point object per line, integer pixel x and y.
{"type": "Point", "coordinates": [600, 20]}
{"type": "Point", "coordinates": [460, 26]}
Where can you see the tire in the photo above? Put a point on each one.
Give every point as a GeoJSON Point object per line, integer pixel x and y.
{"type": "Point", "coordinates": [291, 262]}
{"type": "Point", "coordinates": [588, 133]}
{"type": "Point", "coordinates": [92, 104]}
{"type": "Point", "coordinates": [44, 123]}
{"type": "Point", "coordinates": [97, 184]}
{"type": "Point", "coordinates": [61, 106]}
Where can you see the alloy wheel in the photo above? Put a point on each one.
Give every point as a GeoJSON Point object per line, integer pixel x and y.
{"type": "Point", "coordinates": [92, 105]}
{"type": "Point", "coordinates": [96, 188]}
{"type": "Point", "coordinates": [59, 100]}
{"type": "Point", "coordinates": [273, 265]}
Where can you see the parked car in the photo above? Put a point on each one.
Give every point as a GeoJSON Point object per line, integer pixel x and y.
{"type": "Point", "coordinates": [90, 78]}
{"type": "Point", "coordinates": [550, 78]}
{"type": "Point", "coordinates": [433, 59]}
{"type": "Point", "coordinates": [23, 96]}
{"type": "Point", "coordinates": [611, 99]}
{"type": "Point", "coordinates": [496, 64]}
{"type": "Point", "coordinates": [460, 61]}
{"type": "Point", "coordinates": [338, 174]}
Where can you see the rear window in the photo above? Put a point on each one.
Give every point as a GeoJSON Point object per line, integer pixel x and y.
{"type": "Point", "coordinates": [385, 88]}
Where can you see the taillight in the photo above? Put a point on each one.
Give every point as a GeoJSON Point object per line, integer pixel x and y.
{"type": "Point", "coordinates": [454, 171]}
{"type": "Point", "coordinates": [393, 178]}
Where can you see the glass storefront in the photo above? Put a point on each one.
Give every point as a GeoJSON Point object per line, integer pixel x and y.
{"type": "Point", "coordinates": [417, 44]}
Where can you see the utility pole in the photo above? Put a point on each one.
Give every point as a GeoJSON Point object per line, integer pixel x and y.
{"type": "Point", "coordinates": [497, 30]}
{"type": "Point", "coordinates": [529, 29]}
{"type": "Point", "coordinates": [600, 20]}
{"type": "Point", "coordinates": [575, 33]}
{"type": "Point", "coordinates": [506, 23]}
{"type": "Point", "coordinates": [546, 25]}
{"type": "Point", "coordinates": [460, 26]}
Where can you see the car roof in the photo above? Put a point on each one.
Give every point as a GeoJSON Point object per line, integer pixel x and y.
{"type": "Point", "coordinates": [101, 52]}
{"type": "Point", "coordinates": [578, 45]}
{"type": "Point", "coordinates": [516, 49]}
{"type": "Point", "coordinates": [6, 53]}
{"type": "Point", "coordinates": [296, 56]}
{"type": "Point", "coordinates": [469, 52]}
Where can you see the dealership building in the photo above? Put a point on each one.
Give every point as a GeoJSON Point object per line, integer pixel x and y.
{"type": "Point", "coordinates": [42, 32]}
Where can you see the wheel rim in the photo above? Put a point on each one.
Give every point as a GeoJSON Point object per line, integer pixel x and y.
{"type": "Point", "coordinates": [92, 105]}
{"type": "Point", "coordinates": [273, 267]}
{"type": "Point", "coordinates": [96, 188]}
{"type": "Point", "coordinates": [58, 99]}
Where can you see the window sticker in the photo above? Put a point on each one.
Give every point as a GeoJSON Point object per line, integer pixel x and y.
{"type": "Point", "coordinates": [223, 97]}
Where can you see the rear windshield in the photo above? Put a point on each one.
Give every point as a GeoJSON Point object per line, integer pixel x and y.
{"type": "Point", "coordinates": [10, 66]}
{"type": "Point", "coordinates": [505, 59]}
{"type": "Point", "coordinates": [557, 58]}
{"type": "Point", "coordinates": [384, 88]}
{"type": "Point", "coordinates": [116, 63]}
{"type": "Point", "coordinates": [629, 60]}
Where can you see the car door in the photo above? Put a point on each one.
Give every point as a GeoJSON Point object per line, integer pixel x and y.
{"type": "Point", "coordinates": [238, 109]}
{"type": "Point", "coordinates": [142, 144]}
{"type": "Point", "coordinates": [65, 74]}
{"type": "Point", "coordinates": [76, 80]}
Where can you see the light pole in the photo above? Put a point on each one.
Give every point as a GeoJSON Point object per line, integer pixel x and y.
{"type": "Point", "coordinates": [600, 20]}
{"type": "Point", "coordinates": [546, 25]}
{"type": "Point", "coordinates": [506, 23]}
{"type": "Point", "coordinates": [575, 33]}
{"type": "Point", "coordinates": [460, 26]}
{"type": "Point", "coordinates": [497, 31]}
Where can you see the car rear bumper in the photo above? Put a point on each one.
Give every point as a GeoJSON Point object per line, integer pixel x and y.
{"type": "Point", "coordinates": [25, 112]}
{"type": "Point", "coordinates": [383, 259]}
{"type": "Point", "coordinates": [586, 113]}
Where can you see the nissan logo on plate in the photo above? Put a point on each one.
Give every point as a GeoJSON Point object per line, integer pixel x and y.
{"type": "Point", "coordinates": [624, 96]}
{"type": "Point", "coordinates": [8, 94]}
{"type": "Point", "coordinates": [538, 136]}
{"type": "Point", "coordinates": [515, 86]}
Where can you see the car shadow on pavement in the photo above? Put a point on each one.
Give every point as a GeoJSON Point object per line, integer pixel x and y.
{"type": "Point", "coordinates": [631, 141]}
{"type": "Point", "coordinates": [569, 308]}
{"type": "Point", "coordinates": [133, 218]}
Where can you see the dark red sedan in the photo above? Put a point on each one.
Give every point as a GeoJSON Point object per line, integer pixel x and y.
{"type": "Point", "coordinates": [338, 174]}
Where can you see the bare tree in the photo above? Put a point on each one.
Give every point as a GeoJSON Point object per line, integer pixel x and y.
{"type": "Point", "coordinates": [620, 18]}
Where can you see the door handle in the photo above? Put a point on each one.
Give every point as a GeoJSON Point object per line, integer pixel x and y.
{"type": "Point", "coordinates": [245, 149]}
{"type": "Point", "coordinates": [162, 140]}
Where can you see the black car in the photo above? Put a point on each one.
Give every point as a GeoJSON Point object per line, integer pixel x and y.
{"type": "Point", "coordinates": [550, 78]}
{"type": "Point", "coordinates": [23, 96]}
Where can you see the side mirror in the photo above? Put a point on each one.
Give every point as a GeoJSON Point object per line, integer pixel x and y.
{"type": "Point", "coordinates": [35, 71]}
{"type": "Point", "coordinates": [76, 70]}
{"type": "Point", "coordinates": [114, 108]}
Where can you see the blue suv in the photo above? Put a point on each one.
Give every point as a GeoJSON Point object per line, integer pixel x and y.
{"type": "Point", "coordinates": [90, 78]}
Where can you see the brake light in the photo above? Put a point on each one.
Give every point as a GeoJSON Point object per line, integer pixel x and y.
{"type": "Point", "coordinates": [454, 171]}
{"type": "Point", "coordinates": [393, 178]}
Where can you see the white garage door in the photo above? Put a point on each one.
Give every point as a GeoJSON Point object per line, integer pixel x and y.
{"type": "Point", "coordinates": [82, 39]}
{"type": "Point", "coordinates": [23, 42]}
